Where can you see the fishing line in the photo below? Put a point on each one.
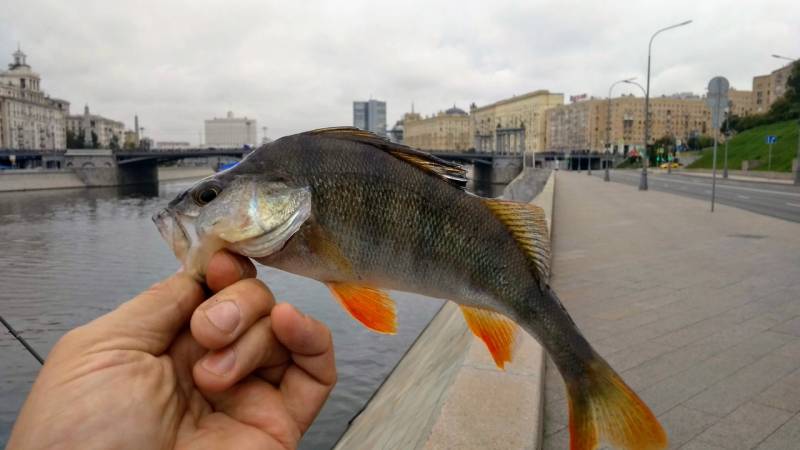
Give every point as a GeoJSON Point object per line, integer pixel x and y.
{"type": "Point", "coordinates": [22, 340]}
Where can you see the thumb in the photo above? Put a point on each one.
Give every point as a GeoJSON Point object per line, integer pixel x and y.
{"type": "Point", "coordinates": [151, 320]}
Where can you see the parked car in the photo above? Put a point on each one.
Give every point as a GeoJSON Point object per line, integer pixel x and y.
{"type": "Point", "coordinates": [674, 165]}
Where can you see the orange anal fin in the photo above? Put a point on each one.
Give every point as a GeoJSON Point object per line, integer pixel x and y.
{"type": "Point", "coordinates": [372, 307]}
{"type": "Point", "coordinates": [604, 410]}
{"type": "Point", "coordinates": [495, 330]}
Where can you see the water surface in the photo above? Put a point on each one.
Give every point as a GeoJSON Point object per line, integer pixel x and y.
{"type": "Point", "coordinates": [68, 256]}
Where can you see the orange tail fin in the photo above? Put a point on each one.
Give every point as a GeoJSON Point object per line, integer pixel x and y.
{"type": "Point", "coordinates": [603, 409]}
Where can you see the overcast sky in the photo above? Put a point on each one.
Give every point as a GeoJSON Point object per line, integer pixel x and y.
{"type": "Point", "coordinates": [298, 65]}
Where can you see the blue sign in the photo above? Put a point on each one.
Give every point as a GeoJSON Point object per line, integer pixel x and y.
{"type": "Point", "coordinates": [772, 139]}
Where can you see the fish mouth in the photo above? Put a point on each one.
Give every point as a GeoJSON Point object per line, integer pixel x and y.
{"type": "Point", "coordinates": [173, 232]}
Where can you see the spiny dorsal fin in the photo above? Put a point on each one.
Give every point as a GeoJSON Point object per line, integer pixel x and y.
{"type": "Point", "coordinates": [450, 172]}
{"type": "Point", "coordinates": [495, 330]}
{"type": "Point", "coordinates": [528, 226]}
{"type": "Point", "coordinates": [372, 307]}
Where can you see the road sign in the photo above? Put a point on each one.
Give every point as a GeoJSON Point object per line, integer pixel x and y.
{"type": "Point", "coordinates": [717, 100]}
{"type": "Point", "coordinates": [772, 139]}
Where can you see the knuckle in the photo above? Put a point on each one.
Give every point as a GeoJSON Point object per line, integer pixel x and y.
{"type": "Point", "coordinates": [256, 287]}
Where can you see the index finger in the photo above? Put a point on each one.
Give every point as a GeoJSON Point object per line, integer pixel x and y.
{"type": "Point", "coordinates": [226, 268]}
{"type": "Point", "coordinates": [309, 380]}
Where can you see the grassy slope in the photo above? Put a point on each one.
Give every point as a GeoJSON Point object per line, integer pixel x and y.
{"type": "Point", "coordinates": [751, 144]}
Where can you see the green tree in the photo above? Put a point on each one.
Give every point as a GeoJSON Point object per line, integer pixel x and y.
{"type": "Point", "coordinates": [114, 142]}
{"type": "Point", "coordinates": [75, 140]}
{"type": "Point", "coordinates": [785, 108]}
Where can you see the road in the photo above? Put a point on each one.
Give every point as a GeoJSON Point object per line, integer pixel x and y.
{"type": "Point", "coordinates": [776, 200]}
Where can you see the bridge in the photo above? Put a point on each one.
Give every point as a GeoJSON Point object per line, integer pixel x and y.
{"type": "Point", "coordinates": [106, 167]}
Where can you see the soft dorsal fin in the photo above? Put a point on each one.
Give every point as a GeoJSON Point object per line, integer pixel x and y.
{"type": "Point", "coordinates": [528, 226]}
{"type": "Point", "coordinates": [495, 330]}
{"type": "Point", "coordinates": [372, 307]}
{"type": "Point", "coordinates": [450, 172]}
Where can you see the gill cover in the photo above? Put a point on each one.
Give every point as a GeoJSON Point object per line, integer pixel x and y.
{"type": "Point", "coordinates": [255, 218]}
{"type": "Point", "coordinates": [249, 217]}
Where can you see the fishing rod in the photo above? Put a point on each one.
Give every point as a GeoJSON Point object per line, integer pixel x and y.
{"type": "Point", "coordinates": [22, 340]}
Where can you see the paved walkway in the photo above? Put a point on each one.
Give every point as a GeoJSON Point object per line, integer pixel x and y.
{"type": "Point", "coordinates": [699, 312]}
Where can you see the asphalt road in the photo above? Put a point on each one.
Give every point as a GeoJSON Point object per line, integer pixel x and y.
{"type": "Point", "coordinates": [776, 200]}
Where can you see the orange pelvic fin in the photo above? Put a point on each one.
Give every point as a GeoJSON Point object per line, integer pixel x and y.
{"type": "Point", "coordinates": [372, 307]}
{"type": "Point", "coordinates": [603, 409]}
{"type": "Point", "coordinates": [495, 330]}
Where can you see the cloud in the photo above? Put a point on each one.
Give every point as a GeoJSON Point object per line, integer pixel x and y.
{"type": "Point", "coordinates": [299, 65]}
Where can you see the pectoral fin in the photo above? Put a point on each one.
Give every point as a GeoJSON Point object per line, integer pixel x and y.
{"type": "Point", "coordinates": [495, 330]}
{"type": "Point", "coordinates": [372, 307]}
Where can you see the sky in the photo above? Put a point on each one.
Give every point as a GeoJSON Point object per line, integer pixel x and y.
{"type": "Point", "coordinates": [299, 65]}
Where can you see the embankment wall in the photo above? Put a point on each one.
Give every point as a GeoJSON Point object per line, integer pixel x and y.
{"type": "Point", "coordinates": [24, 180]}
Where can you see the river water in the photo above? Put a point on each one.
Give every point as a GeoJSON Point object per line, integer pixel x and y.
{"type": "Point", "coordinates": [68, 256]}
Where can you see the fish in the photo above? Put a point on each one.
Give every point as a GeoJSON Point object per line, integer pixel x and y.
{"type": "Point", "coordinates": [364, 215]}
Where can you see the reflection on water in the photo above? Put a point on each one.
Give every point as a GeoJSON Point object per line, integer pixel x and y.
{"type": "Point", "coordinates": [485, 189]}
{"type": "Point", "coordinates": [70, 255]}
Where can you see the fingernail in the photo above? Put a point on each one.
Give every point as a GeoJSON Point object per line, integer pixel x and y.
{"type": "Point", "coordinates": [224, 316]}
{"type": "Point", "coordinates": [220, 363]}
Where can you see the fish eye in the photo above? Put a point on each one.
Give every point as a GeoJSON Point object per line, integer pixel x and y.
{"type": "Point", "coordinates": [206, 194]}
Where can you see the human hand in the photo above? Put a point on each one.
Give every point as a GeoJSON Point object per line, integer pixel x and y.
{"type": "Point", "coordinates": [158, 373]}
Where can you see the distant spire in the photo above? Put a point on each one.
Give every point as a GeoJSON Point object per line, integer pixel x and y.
{"type": "Point", "coordinates": [412, 107]}
{"type": "Point", "coordinates": [19, 58]}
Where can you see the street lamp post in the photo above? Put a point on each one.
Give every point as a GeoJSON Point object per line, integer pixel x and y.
{"type": "Point", "coordinates": [643, 180]}
{"type": "Point", "coordinates": [606, 176]}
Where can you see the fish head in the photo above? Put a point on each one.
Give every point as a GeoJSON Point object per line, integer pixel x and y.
{"type": "Point", "coordinates": [243, 213]}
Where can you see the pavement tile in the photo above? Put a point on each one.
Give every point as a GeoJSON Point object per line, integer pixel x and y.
{"type": "Point", "coordinates": [682, 424]}
{"type": "Point", "coordinates": [791, 349]}
{"type": "Point", "coordinates": [725, 396]}
{"type": "Point", "coordinates": [785, 394]}
{"type": "Point", "coordinates": [696, 331]}
{"type": "Point", "coordinates": [785, 437]}
{"type": "Point", "coordinates": [789, 327]}
{"type": "Point", "coordinates": [745, 427]}
{"type": "Point", "coordinates": [675, 390]}
{"type": "Point", "coordinates": [556, 441]}
{"type": "Point", "coordinates": [695, 444]}
{"type": "Point", "coordinates": [635, 355]}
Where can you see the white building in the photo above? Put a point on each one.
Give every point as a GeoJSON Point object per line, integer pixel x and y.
{"type": "Point", "coordinates": [231, 132]}
{"type": "Point", "coordinates": [108, 131]}
{"type": "Point", "coordinates": [172, 145]}
{"type": "Point", "coordinates": [29, 118]}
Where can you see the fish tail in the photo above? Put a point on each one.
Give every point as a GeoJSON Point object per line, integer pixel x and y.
{"type": "Point", "coordinates": [603, 409]}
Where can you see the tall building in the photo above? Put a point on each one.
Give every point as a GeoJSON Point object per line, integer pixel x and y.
{"type": "Point", "coordinates": [109, 132]}
{"type": "Point", "coordinates": [370, 116]}
{"type": "Point", "coordinates": [770, 87]}
{"type": "Point", "coordinates": [513, 125]}
{"type": "Point", "coordinates": [583, 125]}
{"type": "Point", "coordinates": [29, 118]}
{"type": "Point", "coordinates": [447, 130]}
{"type": "Point", "coordinates": [741, 102]}
{"type": "Point", "coordinates": [231, 132]}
